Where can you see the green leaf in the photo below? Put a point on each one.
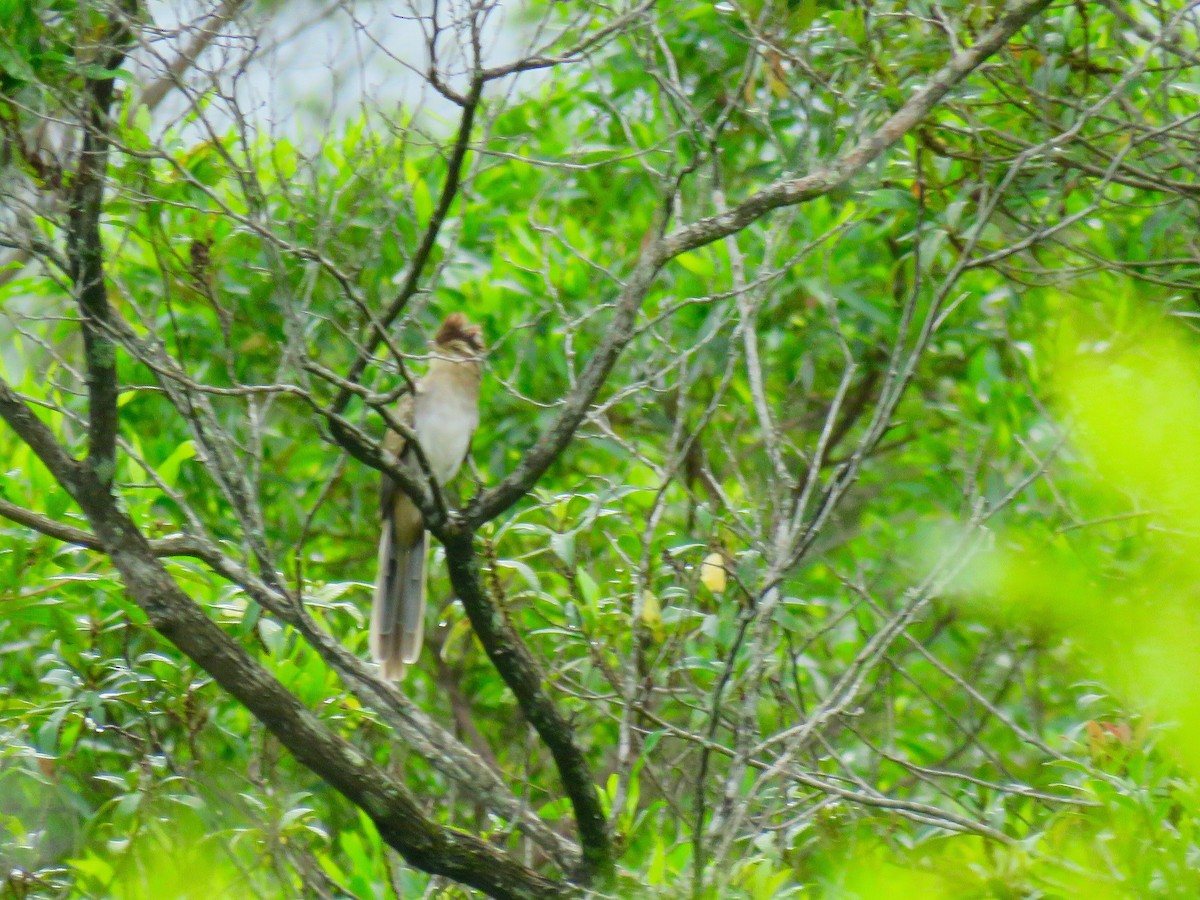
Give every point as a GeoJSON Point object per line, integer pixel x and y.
{"type": "Point", "coordinates": [422, 200]}
{"type": "Point", "coordinates": [168, 470]}
{"type": "Point", "coordinates": [589, 589]}
{"type": "Point", "coordinates": [272, 635]}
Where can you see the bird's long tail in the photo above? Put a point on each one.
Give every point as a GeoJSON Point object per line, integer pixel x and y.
{"type": "Point", "coordinates": [398, 614]}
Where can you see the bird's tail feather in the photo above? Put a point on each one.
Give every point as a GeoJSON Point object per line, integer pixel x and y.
{"type": "Point", "coordinates": [411, 628]}
{"type": "Point", "coordinates": [398, 613]}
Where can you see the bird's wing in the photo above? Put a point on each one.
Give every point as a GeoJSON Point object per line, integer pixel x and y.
{"type": "Point", "coordinates": [395, 444]}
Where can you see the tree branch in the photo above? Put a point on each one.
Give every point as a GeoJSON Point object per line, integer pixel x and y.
{"type": "Point", "coordinates": [209, 26]}
{"type": "Point", "coordinates": [790, 191]}
{"type": "Point", "coordinates": [657, 253]}
{"type": "Point", "coordinates": [177, 545]}
{"type": "Point", "coordinates": [85, 256]}
{"type": "Point", "coordinates": [414, 727]}
{"type": "Point", "coordinates": [376, 330]}
{"type": "Point", "coordinates": [177, 617]}
{"type": "Point", "coordinates": [526, 679]}
{"type": "Point", "coordinates": [575, 52]}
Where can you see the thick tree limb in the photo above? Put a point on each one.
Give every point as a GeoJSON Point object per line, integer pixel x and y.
{"type": "Point", "coordinates": [526, 679]}
{"type": "Point", "coordinates": [172, 613]}
{"type": "Point", "coordinates": [424, 735]}
{"type": "Point", "coordinates": [85, 258]}
{"type": "Point", "coordinates": [503, 646]}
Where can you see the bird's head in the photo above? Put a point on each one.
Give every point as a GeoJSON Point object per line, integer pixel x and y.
{"type": "Point", "coordinates": [458, 337]}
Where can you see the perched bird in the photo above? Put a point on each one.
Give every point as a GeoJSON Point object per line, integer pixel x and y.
{"type": "Point", "coordinates": [442, 412]}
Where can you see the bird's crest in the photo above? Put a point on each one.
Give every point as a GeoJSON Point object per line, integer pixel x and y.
{"type": "Point", "coordinates": [457, 328]}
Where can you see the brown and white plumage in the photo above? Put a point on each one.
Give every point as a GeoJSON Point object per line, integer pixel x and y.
{"type": "Point", "coordinates": [443, 413]}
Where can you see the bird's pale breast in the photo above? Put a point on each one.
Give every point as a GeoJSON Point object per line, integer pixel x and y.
{"type": "Point", "coordinates": [444, 421]}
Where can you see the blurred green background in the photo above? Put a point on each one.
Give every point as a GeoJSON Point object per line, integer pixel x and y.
{"type": "Point", "coordinates": [1034, 728]}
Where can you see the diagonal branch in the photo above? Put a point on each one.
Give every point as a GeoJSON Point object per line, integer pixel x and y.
{"type": "Point", "coordinates": [414, 726]}
{"type": "Point", "coordinates": [576, 51]}
{"type": "Point", "coordinates": [525, 678]}
{"type": "Point", "coordinates": [377, 329]}
{"type": "Point", "coordinates": [784, 192]}
{"type": "Point", "coordinates": [209, 27]}
{"type": "Point", "coordinates": [790, 191]}
{"type": "Point", "coordinates": [390, 805]}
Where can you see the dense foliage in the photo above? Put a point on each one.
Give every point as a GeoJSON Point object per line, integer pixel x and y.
{"type": "Point", "coordinates": [867, 572]}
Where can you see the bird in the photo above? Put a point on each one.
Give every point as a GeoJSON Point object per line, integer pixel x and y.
{"type": "Point", "coordinates": [442, 412]}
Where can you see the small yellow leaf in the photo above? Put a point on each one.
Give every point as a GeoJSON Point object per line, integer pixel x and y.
{"type": "Point", "coordinates": [652, 615]}
{"type": "Point", "coordinates": [255, 343]}
{"type": "Point", "coordinates": [712, 572]}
